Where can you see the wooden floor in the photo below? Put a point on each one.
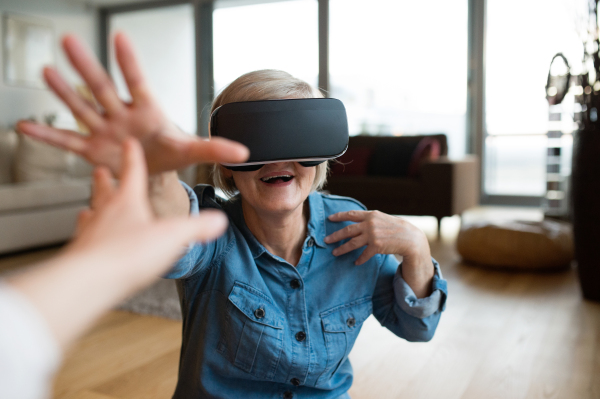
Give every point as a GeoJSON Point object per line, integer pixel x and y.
{"type": "Point", "coordinates": [503, 335]}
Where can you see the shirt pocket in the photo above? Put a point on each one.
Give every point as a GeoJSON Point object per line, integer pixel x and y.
{"type": "Point", "coordinates": [340, 329]}
{"type": "Point", "coordinates": [253, 339]}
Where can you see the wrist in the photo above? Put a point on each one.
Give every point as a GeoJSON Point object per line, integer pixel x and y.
{"type": "Point", "coordinates": [167, 196]}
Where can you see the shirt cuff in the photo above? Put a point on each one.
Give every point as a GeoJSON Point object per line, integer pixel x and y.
{"type": "Point", "coordinates": [421, 307]}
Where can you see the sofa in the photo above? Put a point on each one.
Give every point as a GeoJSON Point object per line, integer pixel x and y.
{"type": "Point", "coordinates": [42, 190]}
{"type": "Point", "coordinates": [406, 175]}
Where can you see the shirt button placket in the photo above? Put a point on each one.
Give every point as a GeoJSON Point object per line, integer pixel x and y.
{"type": "Point", "coordinates": [298, 305]}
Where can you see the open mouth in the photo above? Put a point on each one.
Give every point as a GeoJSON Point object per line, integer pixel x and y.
{"type": "Point", "coordinates": [277, 179]}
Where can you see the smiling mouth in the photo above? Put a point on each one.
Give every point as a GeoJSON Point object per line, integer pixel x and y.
{"type": "Point", "coordinates": [277, 179]}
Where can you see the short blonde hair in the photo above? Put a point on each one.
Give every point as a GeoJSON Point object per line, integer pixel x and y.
{"type": "Point", "coordinates": [266, 84]}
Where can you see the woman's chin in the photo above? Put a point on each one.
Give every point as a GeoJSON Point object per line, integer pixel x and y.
{"type": "Point", "coordinates": [282, 202]}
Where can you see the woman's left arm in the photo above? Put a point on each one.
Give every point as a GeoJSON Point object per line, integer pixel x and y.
{"type": "Point", "coordinates": [408, 298]}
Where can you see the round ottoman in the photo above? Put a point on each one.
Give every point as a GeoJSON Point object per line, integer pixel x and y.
{"type": "Point", "coordinates": [517, 244]}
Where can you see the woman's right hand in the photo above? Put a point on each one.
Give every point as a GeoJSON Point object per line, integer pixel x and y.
{"type": "Point", "coordinates": [166, 148]}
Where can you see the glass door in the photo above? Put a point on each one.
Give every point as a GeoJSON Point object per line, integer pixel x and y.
{"type": "Point", "coordinates": [521, 39]}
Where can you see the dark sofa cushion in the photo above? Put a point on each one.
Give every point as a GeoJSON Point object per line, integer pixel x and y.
{"type": "Point", "coordinates": [402, 158]}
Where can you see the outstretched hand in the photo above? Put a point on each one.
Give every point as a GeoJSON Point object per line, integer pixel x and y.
{"type": "Point", "coordinates": [165, 146]}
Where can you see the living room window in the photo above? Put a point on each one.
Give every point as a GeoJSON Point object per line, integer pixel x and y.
{"type": "Point", "coordinates": [274, 35]}
{"type": "Point", "coordinates": [522, 37]}
{"type": "Point", "coordinates": [400, 67]}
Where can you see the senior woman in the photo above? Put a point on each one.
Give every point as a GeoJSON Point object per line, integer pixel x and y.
{"type": "Point", "coordinates": [272, 308]}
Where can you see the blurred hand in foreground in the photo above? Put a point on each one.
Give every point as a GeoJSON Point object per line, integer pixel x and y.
{"type": "Point", "coordinates": [165, 146]}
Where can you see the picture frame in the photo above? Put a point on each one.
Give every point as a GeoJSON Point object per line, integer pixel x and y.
{"type": "Point", "coordinates": [28, 46]}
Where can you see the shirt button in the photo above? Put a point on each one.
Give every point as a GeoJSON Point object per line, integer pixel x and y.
{"type": "Point", "coordinates": [311, 242]}
{"type": "Point", "coordinates": [300, 336]}
{"type": "Point", "coordinates": [259, 313]}
{"type": "Point", "coordinates": [295, 381]}
{"type": "Point", "coordinates": [295, 284]}
{"type": "Point", "coordinates": [351, 322]}
{"type": "Point", "coordinates": [288, 395]}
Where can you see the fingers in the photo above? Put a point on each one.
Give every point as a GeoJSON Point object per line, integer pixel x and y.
{"type": "Point", "coordinates": [80, 107]}
{"type": "Point", "coordinates": [349, 216]}
{"type": "Point", "coordinates": [352, 230]}
{"type": "Point", "coordinates": [134, 175]}
{"type": "Point", "coordinates": [215, 150]}
{"type": "Point", "coordinates": [208, 225]}
{"type": "Point", "coordinates": [93, 73]}
{"type": "Point", "coordinates": [103, 188]}
{"type": "Point", "coordinates": [65, 139]}
{"type": "Point", "coordinates": [367, 254]}
{"type": "Point", "coordinates": [351, 245]}
{"type": "Point", "coordinates": [131, 69]}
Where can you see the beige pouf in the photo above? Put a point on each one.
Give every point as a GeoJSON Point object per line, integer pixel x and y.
{"type": "Point", "coordinates": [516, 244]}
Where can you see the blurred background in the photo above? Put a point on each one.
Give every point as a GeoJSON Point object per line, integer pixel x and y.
{"type": "Point", "coordinates": [470, 75]}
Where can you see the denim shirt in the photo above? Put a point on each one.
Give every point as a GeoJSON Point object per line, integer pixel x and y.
{"type": "Point", "coordinates": [255, 326]}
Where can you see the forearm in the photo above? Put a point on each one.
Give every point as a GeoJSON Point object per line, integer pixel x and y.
{"type": "Point", "coordinates": [167, 197]}
{"type": "Point", "coordinates": [72, 290]}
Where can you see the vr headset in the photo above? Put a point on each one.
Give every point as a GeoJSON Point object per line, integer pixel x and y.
{"type": "Point", "coordinates": [308, 131]}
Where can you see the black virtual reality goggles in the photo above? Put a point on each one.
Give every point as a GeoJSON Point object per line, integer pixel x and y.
{"type": "Point", "coordinates": [308, 131]}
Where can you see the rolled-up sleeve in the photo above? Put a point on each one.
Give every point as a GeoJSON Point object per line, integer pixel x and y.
{"type": "Point", "coordinates": [421, 307]}
{"type": "Point", "coordinates": [398, 309]}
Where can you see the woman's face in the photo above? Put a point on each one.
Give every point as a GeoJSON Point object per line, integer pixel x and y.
{"type": "Point", "coordinates": [276, 187]}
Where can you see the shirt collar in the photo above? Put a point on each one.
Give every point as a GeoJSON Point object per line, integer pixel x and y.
{"type": "Point", "coordinates": [316, 222]}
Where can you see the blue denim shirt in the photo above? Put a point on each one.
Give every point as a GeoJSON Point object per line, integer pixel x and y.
{"type": "Point", "coordinates": [255, 326]}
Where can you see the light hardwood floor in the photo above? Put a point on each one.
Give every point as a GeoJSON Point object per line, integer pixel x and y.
{"type": "Point", "coordinates": [503, 335]}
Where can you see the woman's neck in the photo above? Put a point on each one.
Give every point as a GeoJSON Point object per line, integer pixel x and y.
{"type": "Point", "coordinates": [282, 234]}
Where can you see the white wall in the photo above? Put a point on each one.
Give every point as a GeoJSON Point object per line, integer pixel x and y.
{"type": "Point", "coordinates": [67, 17]}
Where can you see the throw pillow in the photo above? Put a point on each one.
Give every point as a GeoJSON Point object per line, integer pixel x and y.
{"type": "Point", "coordinates": [427, 150]}
{"type": "Point", "coordinates": [37, 161]}
{"type": "Point", "coordinates": [8, 145]}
